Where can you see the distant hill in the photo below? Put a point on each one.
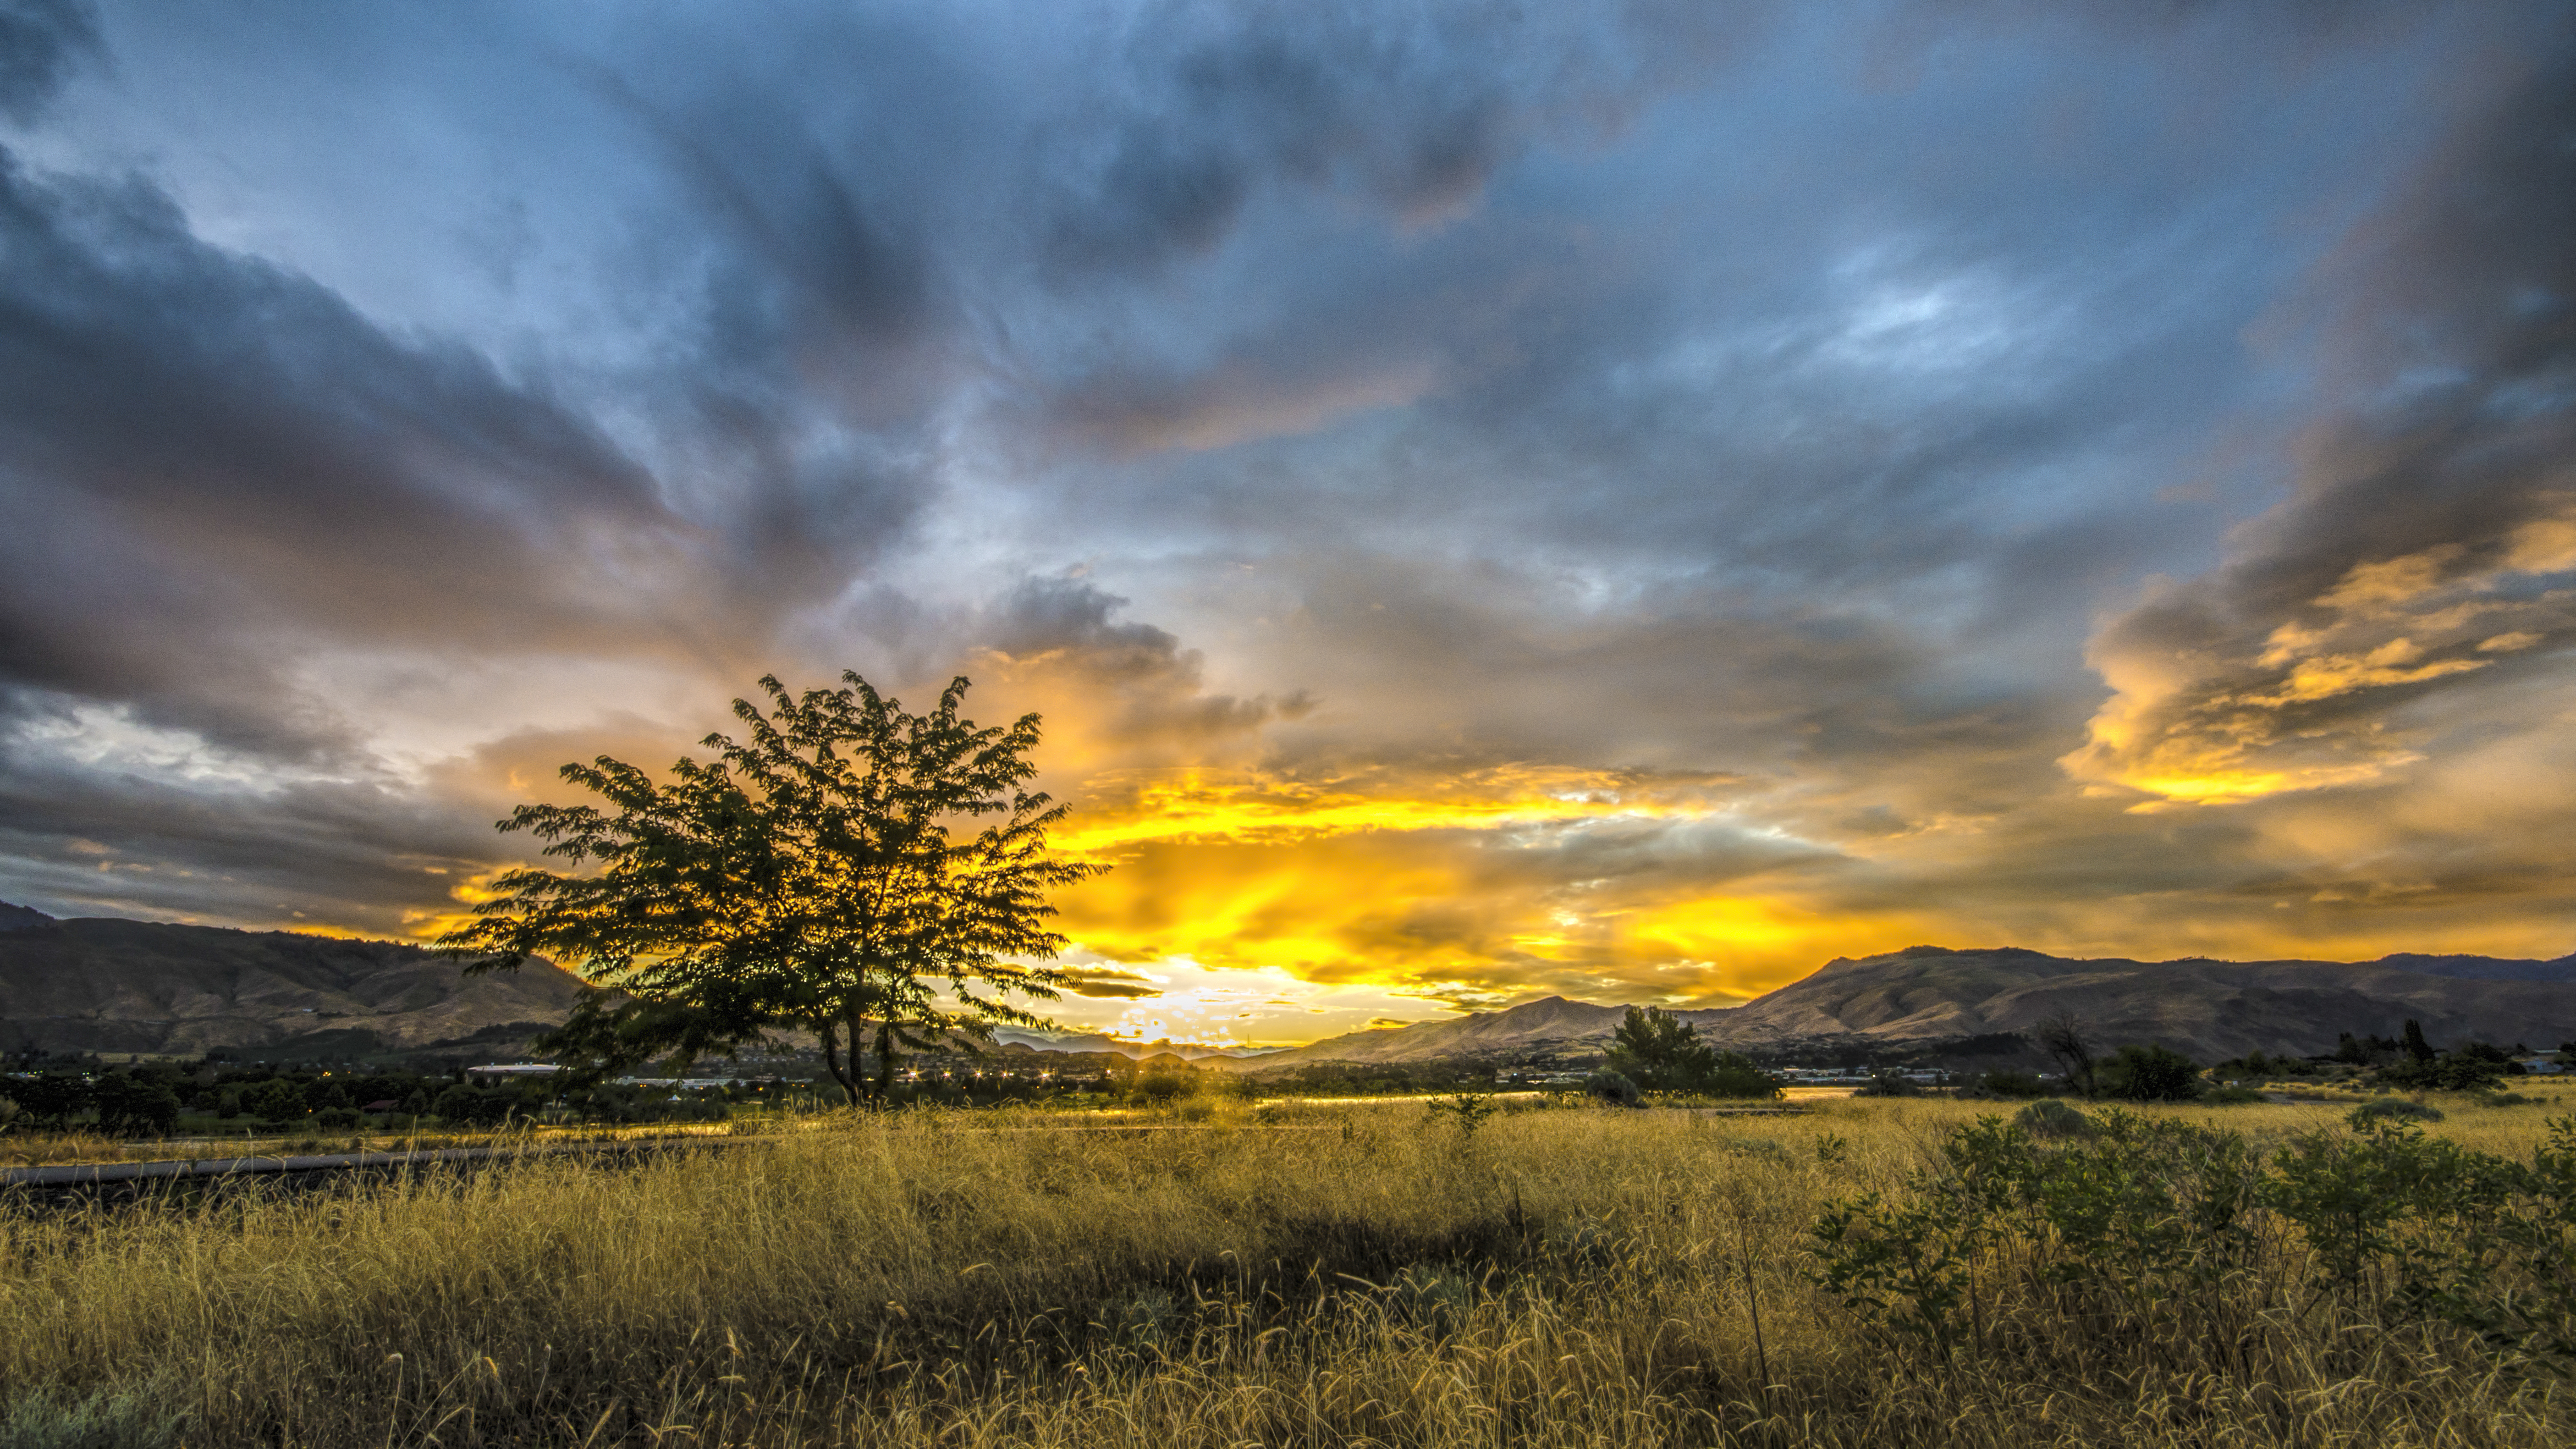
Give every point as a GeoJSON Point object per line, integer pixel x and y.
{"type": "Point", "coordinates": [1926, 995]}
{"type": "Point", "coordinates": [1552, 1023]}
{"type": "Point", "coordinates": [1086, 1043]}
{"type": "Point", "coordinates": [101, 985]}
{"type": "Point", "coordinates": [2482, 968]}
{"type": "Point", "coordinates": [2204, 1008]}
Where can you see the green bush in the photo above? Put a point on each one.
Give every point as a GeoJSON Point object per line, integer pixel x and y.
{"type": "Point", "coordinates": [2150, 1074]}
{"type": "Point", "coordinates": [2053, 1119]}
{"type": "Point", "coordinates": [2154, 1230]}
{"type": "Point", "coordinates": [136, 1416]}
{"type": "Point", "coordinates": [1613, 1088]}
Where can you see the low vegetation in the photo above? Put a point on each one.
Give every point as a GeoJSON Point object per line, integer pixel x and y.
{"type": "Point", "coordinates": [1910, 1272]}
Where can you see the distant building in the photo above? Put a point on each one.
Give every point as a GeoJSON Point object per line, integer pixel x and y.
{"type": "Point", "coordinates": [513, 1070]}
{"type": "Point", "coordinates": [2542, 1066]}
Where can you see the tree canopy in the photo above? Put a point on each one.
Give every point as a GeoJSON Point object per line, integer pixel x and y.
{"type": "Point", "coordinates": [818, 874]}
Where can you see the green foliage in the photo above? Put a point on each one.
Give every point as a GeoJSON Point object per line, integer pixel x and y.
{"type": "Point", "coordinates": [2150, 1074]}
{"type": "Point", "coordinates": [1659, 1052]}
{"type": "Point", "coordinates": [2052, 1119]}
{"type": "Point", "coordinates": [2472, 1068]}
{"type": "Point", "coordinates": [805, 877]}
{"type": "Point", "coordinates": [2389, 1109]}
{"type": "Point", "coordinates": [130, 1416]}
{"type": "Point", "coordinates": [1889, 1084]}
{"type": "Point", "coordinates": [2162, 1226]}
{"type": "Point", "coordinates": [1162, 1086]}
{"type": "Point", "coordinates": [279, 1099]}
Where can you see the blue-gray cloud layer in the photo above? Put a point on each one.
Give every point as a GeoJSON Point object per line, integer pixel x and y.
{"type": "Point", "coordinates": [1807, 397]}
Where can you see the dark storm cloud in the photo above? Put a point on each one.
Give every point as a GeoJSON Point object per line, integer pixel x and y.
{"type": "Point", "coordinates": [1408, 109]}
{"type": "Point", "coordinates": [41, 43]}
{"type": "Point", "coordinates": [200, 450]}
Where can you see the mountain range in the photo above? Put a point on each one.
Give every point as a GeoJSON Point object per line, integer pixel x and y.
{"type": "Point", "coordinates": [115, 986]}
{"type": "Point", "coordinates": [1924, 996]}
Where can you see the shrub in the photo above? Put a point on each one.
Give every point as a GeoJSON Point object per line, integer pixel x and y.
{"type": "Point", "coordinates": [2053, 1119]}
{"type": "Point", "coordinates": [2151, 1074]}
{"type": "Point", "coordinates": [1160, 1087]}
{"type": "Point", "coordinates": [337, 1119]}
{"type": "Point", "coordinates": [1469, 1108]}
{"type": "Point", "coordinates": [2149, 1232]}
{"type": "Point", "coordinates": [1612, 1088]}
{"type": "Point", "coordinates": [1889, 1084]}
{"type": "Point", "coordinates": [2231, 1096]}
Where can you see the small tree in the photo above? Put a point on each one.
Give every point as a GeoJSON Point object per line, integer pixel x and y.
{"type": "Point", "coordinates": [2061, 1034]}
{"type": "Point", "coordinates": [1658, 1051]}
{"type": "Point", "coordinates": [806, 877]}
{"type": "Point", "coordinates": [2416, 1047]}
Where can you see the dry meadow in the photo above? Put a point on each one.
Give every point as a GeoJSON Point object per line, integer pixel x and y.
{"type": "Point", "coordinates": [1354, 1275]}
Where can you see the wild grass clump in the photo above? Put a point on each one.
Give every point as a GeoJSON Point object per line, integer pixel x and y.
{"type": "Point", "coordinates": [1380, 1276]}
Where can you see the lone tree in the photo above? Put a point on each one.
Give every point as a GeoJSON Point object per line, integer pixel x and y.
{"type": "Point", "coordinates": [806, 877]}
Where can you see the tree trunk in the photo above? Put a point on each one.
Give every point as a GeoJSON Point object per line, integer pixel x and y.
{"type": "Point", "coordinates": [885, 1059]}
{"type": "Point", "coordinates": [830, 1032]}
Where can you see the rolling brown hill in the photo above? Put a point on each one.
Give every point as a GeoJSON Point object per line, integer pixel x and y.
{"type": "Point", "coordinates": [103, 985]}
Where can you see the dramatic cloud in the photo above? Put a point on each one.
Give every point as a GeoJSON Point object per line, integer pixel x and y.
{"type": "Point", "coordinates": [1623, 499]}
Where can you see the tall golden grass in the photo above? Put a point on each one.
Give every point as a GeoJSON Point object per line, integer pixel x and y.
{"type": "Point", "coordinates": [1353, 1276]}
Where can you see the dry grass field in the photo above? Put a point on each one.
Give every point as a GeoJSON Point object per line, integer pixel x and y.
{"type": "Point", "coordinates": [1329, 1276]}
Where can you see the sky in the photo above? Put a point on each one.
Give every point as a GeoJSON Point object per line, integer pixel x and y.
{"type": "Point", "coordinates": [1629, 499]}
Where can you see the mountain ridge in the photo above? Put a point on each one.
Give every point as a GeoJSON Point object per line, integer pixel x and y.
{"type": "Point", "coordinates": [104, 984]}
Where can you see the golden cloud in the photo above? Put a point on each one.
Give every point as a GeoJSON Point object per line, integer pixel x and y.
{"type": "Point", "coordinates": [2311, 704]}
